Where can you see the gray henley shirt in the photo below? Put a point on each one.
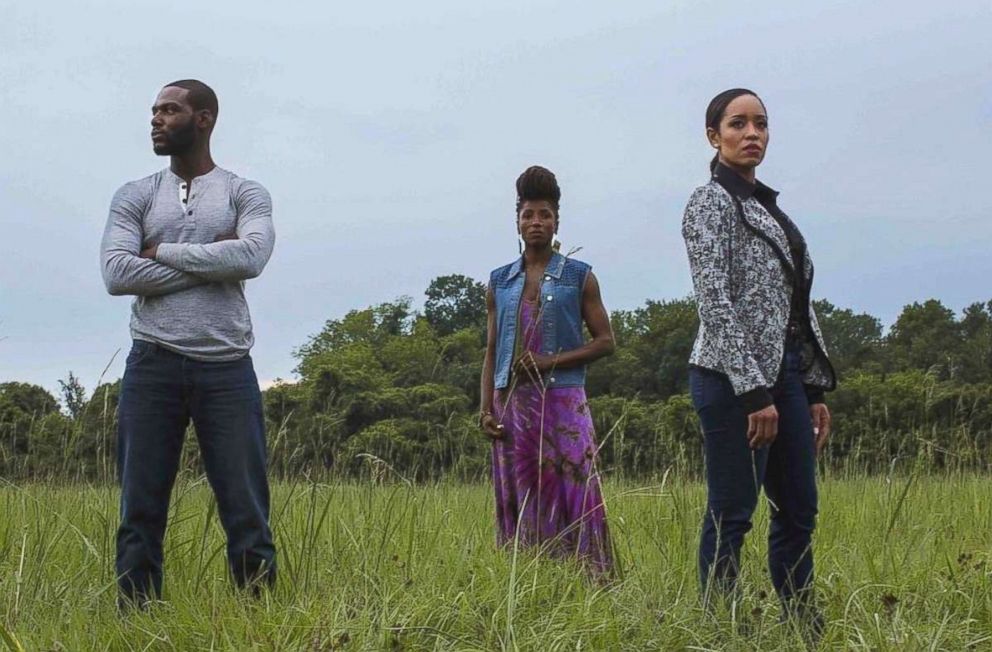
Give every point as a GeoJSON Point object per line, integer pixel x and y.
{"type": "Point", "coordinates": [191, 298]}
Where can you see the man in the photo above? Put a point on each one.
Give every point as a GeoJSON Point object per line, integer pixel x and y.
{"type": "Point", "coordinates": [183, 241]}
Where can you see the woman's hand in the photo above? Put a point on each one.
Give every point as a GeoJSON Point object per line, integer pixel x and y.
{"type": "Point", "coordinates": [491, 426]}
{"type": "Point", "coordinates": [762, 427]}
{"type": "Point", "coordinates": [532, 366]}
{"type": "Point", "coordinates": [821, 424]}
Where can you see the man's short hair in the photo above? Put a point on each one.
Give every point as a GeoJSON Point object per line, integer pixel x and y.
{"type": "Point", "coordinates": [200, 95]}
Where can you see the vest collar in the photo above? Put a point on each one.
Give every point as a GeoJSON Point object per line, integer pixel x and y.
{"type": "Point", "coordinates": [554, 269]}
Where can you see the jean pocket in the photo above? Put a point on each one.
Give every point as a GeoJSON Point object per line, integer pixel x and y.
{"type": "Point", "coordinates": [707, 388]}
{"type": "Point", "coordinates": [713, 399]}
{"type": "Point", "coordinates": [140, 351]}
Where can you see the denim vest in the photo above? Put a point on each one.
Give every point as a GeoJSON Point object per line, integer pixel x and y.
{"type": "Point", "coordinates": [561, 316]}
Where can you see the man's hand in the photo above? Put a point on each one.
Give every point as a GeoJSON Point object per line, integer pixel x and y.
{"type": "Point", "coordinates": [762, 427]}
{"type": "Point", "coordinates": [821, 424]}
{"type": "Point", "coordinates": [531, 366]}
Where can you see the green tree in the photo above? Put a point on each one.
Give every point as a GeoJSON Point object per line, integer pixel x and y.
{"type": "Point", "coordinates": [455, 302]}
{"type": "Point", "coordinates": [369, 326]}
{"type": "Point", "coordinates": [975, 362]}
{"type": "Point", "coordinates": [668, 332]}
{"type": "Point", "coordinates": [653, 347]}
{"type": "Point", "coordinates": [25, 399]}
{"type": "Point", "coordinates": [926, 336]}
{"type": "Point", "coordinates": [853, 339]}
{"type": "Point", "coordinates": [29, 416]}
{"type": "Point", "coordinates": [412, 358]}
{"type": "Point", "coordinates": [73, 395]}
{"type": "Point", "coordinates": [461, 362]}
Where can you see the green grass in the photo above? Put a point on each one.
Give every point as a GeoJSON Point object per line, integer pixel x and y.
{"type": "Point", "coordinates": [904, 564]}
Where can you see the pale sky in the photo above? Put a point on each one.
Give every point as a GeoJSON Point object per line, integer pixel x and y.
{"type": "Point", "coordinates": [390, 136]}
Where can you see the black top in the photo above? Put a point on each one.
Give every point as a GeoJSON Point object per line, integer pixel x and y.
{"type": "Point", "coordinates": [767, 197]}
{"type": "Point", "coordinates": [799, 330]}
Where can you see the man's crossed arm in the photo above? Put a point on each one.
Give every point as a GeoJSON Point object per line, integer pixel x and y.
{"type": "Point", "coordinates": [131, 266]}
{"type": "Point", "coordinates": [124, 270]}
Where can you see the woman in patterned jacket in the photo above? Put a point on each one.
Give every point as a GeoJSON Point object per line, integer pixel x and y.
{"type": "Point", "coordinates": [759, 368]}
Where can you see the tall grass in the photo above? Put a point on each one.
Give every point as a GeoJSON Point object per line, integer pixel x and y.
{"type": "Point", "coordinates": [904, 558]}
{"type": "Point", "coordinates": [904, 562]}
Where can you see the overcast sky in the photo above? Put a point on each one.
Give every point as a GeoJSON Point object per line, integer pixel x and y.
{"type": "Point", "coordinates": [390, 136]}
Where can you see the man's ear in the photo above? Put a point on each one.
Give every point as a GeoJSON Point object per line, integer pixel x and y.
{"type": "Point", "coordinates": [205, 119]}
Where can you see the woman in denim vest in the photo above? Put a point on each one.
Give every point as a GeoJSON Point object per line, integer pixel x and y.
{"type": "Point", "coordinates": [759, 367]}
{"type": "Point", "coordinates": [533, 396]}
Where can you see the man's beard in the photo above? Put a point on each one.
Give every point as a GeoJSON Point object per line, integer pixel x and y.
{"type": "Point", "coordinates": [178, 141]}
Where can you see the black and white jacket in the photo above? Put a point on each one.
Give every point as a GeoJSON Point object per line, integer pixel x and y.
{"type": "Point", "coordinates": [742, 272]}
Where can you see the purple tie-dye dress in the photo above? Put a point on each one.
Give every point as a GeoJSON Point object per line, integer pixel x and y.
{"type": "Point", "coordinates": [544, 467]}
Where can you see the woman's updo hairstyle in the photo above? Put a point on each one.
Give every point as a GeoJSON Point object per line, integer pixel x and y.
{"type": "Point", "coordinates": [716, 109]}
{"type": "Point", "coordinates": [538, 184]}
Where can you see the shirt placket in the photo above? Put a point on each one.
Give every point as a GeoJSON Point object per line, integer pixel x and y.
{"type": "Point", "coordinates": [189, 206]}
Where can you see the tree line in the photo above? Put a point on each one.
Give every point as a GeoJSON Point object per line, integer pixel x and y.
{"type": "Point", "coordinates": [392, 391]}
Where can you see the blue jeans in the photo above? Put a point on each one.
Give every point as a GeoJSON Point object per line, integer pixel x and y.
{"type": "Point", "coordinates": [160, 393]}
{"type": "Point", "coordinates": [735, 473]}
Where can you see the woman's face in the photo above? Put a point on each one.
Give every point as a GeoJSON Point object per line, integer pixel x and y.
{"type": "Point", "coordinates": [743, 135]}
{"type": "Point", "coordinates": [537, 223]}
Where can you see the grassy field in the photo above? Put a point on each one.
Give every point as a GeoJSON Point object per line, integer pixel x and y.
{"type": "Point", "coordinates": [903, 564]}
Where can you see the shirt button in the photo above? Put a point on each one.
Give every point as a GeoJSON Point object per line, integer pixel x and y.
{"type": "Point", "coordinates": [551, 297]}
{"type": "Point", "coordinates": [190, 213]}
{"type": "Point", "coordinates": [552, 379]}
{"type": "Point", "coordinates": [547, 278]}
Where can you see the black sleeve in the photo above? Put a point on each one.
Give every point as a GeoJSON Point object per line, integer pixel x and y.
{"type": "Point", "coordinates": [814, 394]}
{"type": "Point", "coordinates": [756, 399]}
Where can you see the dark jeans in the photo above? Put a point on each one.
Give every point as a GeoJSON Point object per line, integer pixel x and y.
{"type": "Point", "coordinates": [735, 473]}
{"type": "Point", "coordinates": [160, 393]}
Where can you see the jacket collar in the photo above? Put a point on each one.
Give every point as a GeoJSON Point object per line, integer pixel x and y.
{"type": "Point", "coordinates": [741, 187]}
{"type": "Point", "coordinates": [761, 221]}
{"type": "Point", "coordinates": [554, 269]}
